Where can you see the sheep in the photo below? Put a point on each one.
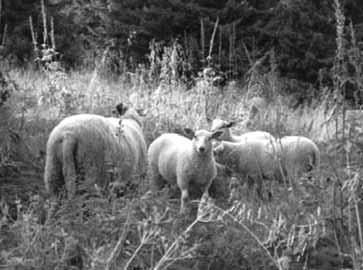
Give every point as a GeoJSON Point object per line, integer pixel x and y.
{"type": "Point", "coordinates": [298, 155]}
{"type": "Point", "coordinates": [252, 159]}
{"type": "Point", "coordinates": [183, 162]}
{"type": "Point", "coordinates": [289, 156]}
{"type": "Point", "coordinates": [87, 147]}
{"type": "Point", "coordinates": [219, 124]}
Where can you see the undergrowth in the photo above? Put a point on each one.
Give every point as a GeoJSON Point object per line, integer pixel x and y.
{"type": "Point", "coordinates": [146, 232]}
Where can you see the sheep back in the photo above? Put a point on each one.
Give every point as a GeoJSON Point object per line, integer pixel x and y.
{"type": "Point", "coordinates": [132, 138]}
{"type": "Point", "coordinates": [98, 146]}
{"type": "Point", "coordinates": [299, 154]}
{"type": "Point", "coordinates": [251, 157]}
{"type": "Point", "coordinates": [261, 135]}
{"type": "Point", "coordinates": [225, 126]}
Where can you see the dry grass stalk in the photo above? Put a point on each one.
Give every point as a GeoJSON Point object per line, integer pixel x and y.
{"type": "Point", "coordinates": [4, 34]}
{"type": "Point", "coordinates": [230, 49]}
{"type": "Point", "coordinates": [212, 41]}
{"type": "Point", "coordinates": [171, 254]}
{"type": "Point", "coordinates": [247, 54]}
{"type": "Point", "coordinates": [35, 44]}
{"type": "Point", "coordinates": [234, 62]}
{"type": "Point", "coordinates": [1, 9]}
{"type": "Point", "coordinates": [202, 40]}
{"type": "Point", "coordinates": [232, 45]}
{"type": "Point", "coordinates": [340, 52]}
{"type": "Point", "coordinates": [44, 17]}
{"type": "Point", "coordinates": [355, 60]}
{"type": "Point", "coordinates": [95, 72]}
{"type": "Point", "coordinates": [220, 45]}
{"type": "Point", "coordinates": [52, 38]}
{"type": "Point", "coordinates": [120, 243]}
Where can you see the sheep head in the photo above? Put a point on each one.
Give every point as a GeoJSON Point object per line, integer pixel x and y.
{"type": "Point", "coordinates": [223, 125]}
{"type": "Point", "coordinates": [222, 153]}
{"type": "Point", "coordinates": [121, 108]}
{"type": "Point", "coordinates": [220, 124]}
{"type": "Point", "coordinates": [130, 113]}
{"type": "Point", "coordinates": [202, 139]}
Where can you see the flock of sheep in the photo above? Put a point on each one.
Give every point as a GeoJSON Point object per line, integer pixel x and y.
{"type": "Point", "coordinates": [92, 149]}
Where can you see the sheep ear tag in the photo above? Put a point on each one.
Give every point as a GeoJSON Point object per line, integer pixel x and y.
{"type": "Point", "coordinates": [119, 130]}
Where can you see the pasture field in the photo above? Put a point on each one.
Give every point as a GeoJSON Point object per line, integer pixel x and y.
{"type": "Point", "coordinates": [313, 224]}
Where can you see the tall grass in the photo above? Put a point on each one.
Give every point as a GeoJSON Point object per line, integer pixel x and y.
{"type": "Point", "coordinates": [149, 233]}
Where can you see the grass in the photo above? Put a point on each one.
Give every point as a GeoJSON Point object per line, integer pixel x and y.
{"type": "Point", "coordinates": [317, 226]}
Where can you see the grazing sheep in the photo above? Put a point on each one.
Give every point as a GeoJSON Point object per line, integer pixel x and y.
{"type": "Point", "coordinates": [298, 155]}
{"type": "Point", "coordinates": [253, 159]}
{"type": "Point", "coordinates": [219, 124]}
{"type": "Point", "coordinates": [184, 162]}
{"type": "Point", "coordinates": [87, 147]}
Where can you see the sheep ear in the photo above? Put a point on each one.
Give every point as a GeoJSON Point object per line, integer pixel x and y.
{"type": "Point", "coordinates": [216, 134]}
{"type": "Point", "coordinates": [121, 108]}
{"type": "Point", "coordinates": [189, 132]}
{"type": "Point", "coordinates": [230, 124]}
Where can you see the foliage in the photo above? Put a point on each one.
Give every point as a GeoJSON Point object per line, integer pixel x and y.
{"type": "Point", "coordinates": [300, 32]}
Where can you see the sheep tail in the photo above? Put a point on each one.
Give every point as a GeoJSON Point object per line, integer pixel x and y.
{"type": "Point", "coordinates": [69, 147]}
{"type": "Point", "coordinates": [315, 159]}
{"type": "Point", "coordinates": [50, 171]}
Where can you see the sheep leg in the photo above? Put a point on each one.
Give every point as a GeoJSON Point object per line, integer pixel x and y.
{"type": "Point", "coordinates": [250, 182]}
{"type": "Point", "coordinates": [53, 174]}
{"type": "Point", "coordinates": [69, 167]}
{"type": "Point", "coordinates": [184, 200]}
{"type": "Point", "coordinates": [156, 181]}
{"type": "Point", "coordinates": [259, 188]}
{"type": "Point", "coordinates": [53, 183]}
{"type": "Point", "coordinates": [207, 187]}
{"type": "Point", "coordinates": [184, 196]}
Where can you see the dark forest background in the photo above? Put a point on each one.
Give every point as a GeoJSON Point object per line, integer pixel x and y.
{"type": "Point", "coordinates": [302, 34]}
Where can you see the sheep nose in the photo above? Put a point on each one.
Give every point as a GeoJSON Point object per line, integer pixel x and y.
{"type": "Point", "coordinates": [201, 149]}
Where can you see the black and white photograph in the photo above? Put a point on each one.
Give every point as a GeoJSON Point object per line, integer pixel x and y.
{"type": "Point", "coordinates": [181, 134]}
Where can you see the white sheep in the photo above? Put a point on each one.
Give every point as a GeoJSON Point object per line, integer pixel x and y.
{"type": "Point", "coordinates": [219, 124]}
{"type": "Point", "coordinates": [87, 147]}
{"type": "Point", "coordinates": [298, 155]}
{"type": "Point", "coordinates": [183, 162]}
{"type": "Point", "coordinates": [253, 159]}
